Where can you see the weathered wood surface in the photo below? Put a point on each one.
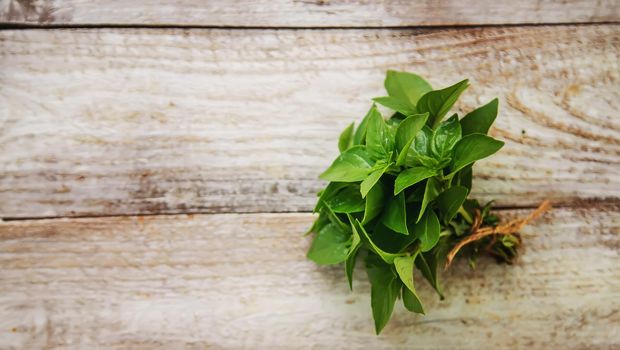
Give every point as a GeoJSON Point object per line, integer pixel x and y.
{"type": "Point", "coordinates": [129, 121]}
{"type": "Point", "coordinates": [319, 13]}
{"type": "Point", "coordinates": [242, 281]}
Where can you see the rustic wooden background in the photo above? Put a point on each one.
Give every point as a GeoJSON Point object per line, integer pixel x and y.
{"type": "Point", "coordinates": [159, 159]}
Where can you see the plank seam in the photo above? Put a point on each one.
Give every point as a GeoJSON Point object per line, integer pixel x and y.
{"type": "Point", "coordinates": [26, 26]}
{"type": "Point", "coordinates": [608, 203]}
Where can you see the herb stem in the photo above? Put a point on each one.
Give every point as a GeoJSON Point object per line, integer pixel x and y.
{"type": "Point", "coordinates": [445, 233]}
{"type": "Point", "coordinates": [466, 215]}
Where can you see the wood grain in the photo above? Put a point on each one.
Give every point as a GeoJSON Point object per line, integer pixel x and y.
{"type": "Point", "coordinates": [140, 121]}
{"type": "Point", "coordinates": [320, 13]}
{"type": "Point", "coordinates": [242, 281]}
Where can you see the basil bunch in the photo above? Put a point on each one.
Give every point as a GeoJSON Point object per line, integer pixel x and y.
{"type": "Point", "coordinates": [398, 190]}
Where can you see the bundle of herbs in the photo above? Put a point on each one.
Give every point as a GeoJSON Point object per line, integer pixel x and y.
{"type": "Point", "coordinates": [397, 194]}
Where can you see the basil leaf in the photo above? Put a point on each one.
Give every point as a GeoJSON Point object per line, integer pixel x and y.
{"type": "Point", "coordinates": [427, 230]}
{"type": "Point", "coordinates": [431, 191]}
{"type": "Point", "coordinates": [319, 223]}
{"type": "Point", "coordinates": [419, 152]}
{"type": "Point", "coordinates": [334, 219]}
{"type": "Point", "coordinates": [384, 290]}
{"type": "Point", "coordinates": [480, 120]}
{"type": "Point", "coordinates": [374, 202]}
{"type": "Point", "coordinates": [445, 137]}
{"type": "Point", "coordinates": [347, 200]}
{"type": "Point", "coordinates": [437, 103]}
{"type": "Point", "coordinates": [449, 202]}
{"type": "Point", "coordinates": [395, 217]}
{"type": "Point", "coordinates": [396, 104]}
{"type": "Point", "coordinates": [412, 302]}
{"type": "Point", "coordinates": [429, 272]}
{"type": "Point", "coordinates": [346, 138]}
{"type": "Point", "coordinates": [379, 139]}
{"type": "Point", "coordinates": [370, 181]}
{"type": "Point", "coordinates": [387, 257]}
{"type": "Point", "coordinates": [417, 194]}
{"type": "Point", "coordinates": [472, 148]}
{"type": "Point", "coordinates": [433, 261]}
{"type": "Point", "coordinates": [331, 188]}
{"type": "Point", "coordinates": [422, 141]}
{"type": "Point", "coordinates": [330, 246]}
{"type": "Point", "coordinates": [430, 163]}
{"type": "Point", "coordinates": [359, 137]}
{"type": "Point", "coordinates": [352, 165]}
{"type": "Point", "coordinates": [404, 269]}
{"type": "Point", "coordinates": [411, 177]}
{"type": "Point", "coordinates": [407, 130]}
{"type": "Point", "coordinates": [390, 241]}
{"type": "Point", "coordinates": [407, 87]}
{"type": "Point", "coordinates": [349, 263]}
{"type": "Point", "coordinates": [464, 178]}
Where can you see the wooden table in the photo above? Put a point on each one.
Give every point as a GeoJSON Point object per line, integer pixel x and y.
{"type": "Point", "coordinates": [159, 161]}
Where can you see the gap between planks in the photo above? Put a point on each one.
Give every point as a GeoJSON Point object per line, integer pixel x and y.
{"type": "Point", "coordinates": [606, 203]}
{"type": "Point", "coordinates": [425, 29]}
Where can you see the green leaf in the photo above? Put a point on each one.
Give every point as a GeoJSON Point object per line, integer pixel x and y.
{"type": "Point", "coordinates": [479, 121]}
{"type": "Point", "coordinates": [333, 218]}
{"type": "Point", "coordinates": [396, 104]}
{"type": "Point", "coordinates": [330, 246]}
{"type": "Point", "coordinates": [437, 103]}
{"type": "Point", "coordinates": [347, 200]}
{"type": "Point", "coordinates": [417, 194]}
{"type": "Point", "coordinates": [411, 177]}
{"type": "Point", "coordinates": [405, 86]}
{"type": "Point", "coordinates": [404, 268]}
{"type": "Point", "coordinates": [319, 223]}
{"type": "Point", "coordinates": [379, 139]}
{"type": "Point", "coordinates": [472, 148]}
{"type": "Point", "coordinates": [390, 241]}
{"type": "Point", "coordinates": [395, 217]}
{"type": "Point", "coordinates": [374, 202]}
{"type": "Point", "coordinates": [387, 257]}
{"type": "Point", "coordinates": [464, 178]}
{"type": "Point", "coordinates": [412, 302]}
{"type": "Point", "coordinates": [346, 138]}
{"type": "Point", "coordinates": [359, 137]}
{"type": "Point", "coordinates": [352, 165]}
{"type": "Point", "coordinates": [427, 230]}
{"type": "Point", "coordinates": [349, 263]}
{"type": "Point", "coordinates": [407, 130]}
{"type": "Point", "coordinates": [431, 191]}
{"type": "Point", "coordinates": [422, 141]}
{"type": "Point", "coordinates": [328, 191]}
{"type": "Point", "coordinates": [429, 272]}
{"type": "Point", "coordinates": [445, 137]}
{"type": "Point", "coordinates": [370, 181]}
{"type": "Point", "coordinates": [419, 152]}
{"type": "Point", "coordinates": [385, 287]}
{"type": "Point", "coordinates": [449, 202]}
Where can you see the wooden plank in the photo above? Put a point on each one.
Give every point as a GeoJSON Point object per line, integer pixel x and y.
{"type": "Point", "coordinates": [122, 121]}
{"type": "Point", "coordinates": [242, 281]}
{"type": "Point", "coordinates": [321, 13]}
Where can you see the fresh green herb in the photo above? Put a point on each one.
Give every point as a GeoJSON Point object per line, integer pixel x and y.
{"type": "Point", "coordinates": [398, 193]}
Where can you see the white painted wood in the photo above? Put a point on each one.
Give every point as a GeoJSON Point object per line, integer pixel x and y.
{"type": "Point", "coordinates": [242, 281]}
{"type": "Point", "coordinates": [126, 121]}
{"type": "Point", "coordinates": [319, 13]}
